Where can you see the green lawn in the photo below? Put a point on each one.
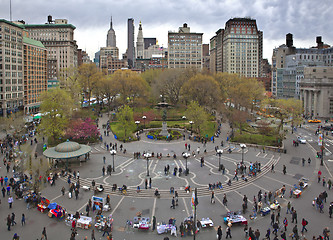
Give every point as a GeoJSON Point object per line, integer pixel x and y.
{"type": "Point", "coordinates": [118, 130]}
{"type": "Point", "coordinates": [255, 139]}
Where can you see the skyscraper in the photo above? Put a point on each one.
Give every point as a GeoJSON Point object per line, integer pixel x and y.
{"type": "Point", "coordinates": [111, 37]}
{"type": "Point", "coordinates": [130, 43]}
{"type": "Point", "coordinates": [185, 48]}
{"type": "Point", "coordinates": [140, 43]}
{"type": "Point", "coordinates": [238, 48]}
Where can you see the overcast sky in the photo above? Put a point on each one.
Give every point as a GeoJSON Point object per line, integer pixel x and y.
{"type": "Point", "coordinates": [305, 19]}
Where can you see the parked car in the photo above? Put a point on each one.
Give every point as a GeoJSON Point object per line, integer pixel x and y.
{"type": "Point", "coordinates": [301, 140]}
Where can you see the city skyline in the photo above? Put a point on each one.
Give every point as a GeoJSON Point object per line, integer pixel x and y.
{"type": "Point", "coordinates": [92, 20]}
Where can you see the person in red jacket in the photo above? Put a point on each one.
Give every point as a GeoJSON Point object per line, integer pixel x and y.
{"type": "Point", "coordinates": [304, 223]}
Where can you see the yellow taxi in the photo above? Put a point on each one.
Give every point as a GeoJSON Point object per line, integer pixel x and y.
{"type": "Point", "coordinates": [314, 121]}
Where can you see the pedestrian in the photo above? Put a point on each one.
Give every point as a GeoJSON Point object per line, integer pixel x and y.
{"type": "Point", "coordinates": [225, 201]}
{"type": "Point", "coordinates": [246, 230]}
{"type": "Point", "coordinates": [173, 203]}
{"type": "Point", "coordinates": [146, 183]}
{"type": "Point", "coordinates": [303, 161]}
{"type": "Point", "coordinates": [309, 161]}
{"type": "Point", "coordinates": [294, 216]}
{"type": "Point", "coordinates": [285, 223]}
{"type": "Point", "coordinates": [272, 218]}
{"type": "Point", "coordinates": [289, 207]}
{"type": "Point", "coordinates": [326, 233]}
{"type": "Point", "coordinates": [295, 232]}
{"type": "Point", "coordinates": [13, 219]}
{"type": "Point", "coordinates": [87, 210]}
{"type": "Point", "coordinates": [104, 158]}
{"type": "Point", "coordinates": [219, 233]}
{"type": "Point", "coordinates": [10, 201]}
{"type": "Point", "coordinates": [257, 234]}
{"type": "Point", "coordinates": [212, 200]}
{"type": "Point", "coordinates": [63, 190]}
{"type": "Point", "coordinates": [154, 223]}
{"type": "Point", "coordinates": [272, 169]}
{"type": "Point", "coordinates": [3, 190]}
{"type": "Point", "coordinates": [304, 223]}
{"type": "Point", "coordinates": [284, 169]}
{"type": "Point", "coordinates": [228, 232]}
{"type": "Point", "coordinates": [93, 234]}
{"type": "Point", "coordinates": [23, 219]}
{"type": "Point", "coordinates": [268, 234]}
{"type": "Point", "coordinates": [44, 236]}
{"type": "Point", "coordinates": [9, 222]}
{"type": "Point", "coordinates": [150, 183]}
{"type": "Point", "coordinates": [103, 170]}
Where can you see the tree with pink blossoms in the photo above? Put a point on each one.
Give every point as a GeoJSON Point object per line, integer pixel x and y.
{"type": "Point", "coordinates": [82, 131]}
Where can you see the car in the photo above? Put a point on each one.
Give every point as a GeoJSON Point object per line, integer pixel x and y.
{"type": "Point", "coordinates": [301, 140]}
{"type": "Point", "coordinates": [328, 128]}
{"type": "Point", "coordinates": [314, 121]}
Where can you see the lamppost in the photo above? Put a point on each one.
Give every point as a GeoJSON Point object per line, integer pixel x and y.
{"type": "Point", "coordinates": [186, 156]}
{"type": "Point", "coordinates": [196, 202]}
{"type": "Point", "coordinates": [191, 122]}
{"type": "Point", "coordinates": [321, 137]}
{"type": "Point", "coordinates": [243, 146]}
{"type": "Point", "coordinates": [219, 152]}
{"type": "Point", "coordinates": [147, 156]}
{"type": "Point", "coordinates": [183, 117]}
{"type": "Point", "coordinates": [137, 124]}
{"type": "Point", "coordinates": [113, 152]}
{"type": "Point", "coordinates": [144, 120]}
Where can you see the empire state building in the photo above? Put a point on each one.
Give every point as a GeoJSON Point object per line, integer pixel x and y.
{"type": "Point", "coordinates": [111, 37]}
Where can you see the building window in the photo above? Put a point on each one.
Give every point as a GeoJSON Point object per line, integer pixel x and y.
{"type": "Point", "coordinates": [331, 106]}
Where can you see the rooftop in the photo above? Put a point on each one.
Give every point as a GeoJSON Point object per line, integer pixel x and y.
{"type": "Point", "coordinates": [11, 23]}
{"type": "Point", "coordinates": [33, 42]}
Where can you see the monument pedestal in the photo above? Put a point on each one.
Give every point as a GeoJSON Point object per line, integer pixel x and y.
{"type": "Point", "coordinates": [164, 131]}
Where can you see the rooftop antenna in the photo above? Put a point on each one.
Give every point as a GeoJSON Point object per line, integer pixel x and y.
{"type": "Point", "coordinates": [10, 10]}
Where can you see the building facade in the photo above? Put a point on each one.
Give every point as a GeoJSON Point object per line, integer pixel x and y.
{"type": "Point", "coordinates": [316, 91]}
{"type": "Point", "coordinates": [130, 43]}
{"type": "Point", "coordinates": [238, 48]}
{"type": "Point", "coordinates": [58, 38]}
{"type": "Point", "coordinates": [140, 43]}
{"type": "Point", "coordinates": [11, 67]}
{"type": "Point", "coordinates": [184, 48]}
{"type": "Point", "coordinates": [106, 52]}
{"type": "Point", "coordinates": [35, 74]}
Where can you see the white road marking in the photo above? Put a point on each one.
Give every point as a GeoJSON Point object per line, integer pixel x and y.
{"type": "Point", "coordinates": [153, 211]}
{"type": "Point", "coordinates": [287, 184]}
{"type": "Point", "coordinates": [186, 209]}
{"type": "Point", "coordinates": [222, 203]}
{"type": "Point", "coordinates": [242, 196]}
{"type": "Point", "coordinates": [117, 205]}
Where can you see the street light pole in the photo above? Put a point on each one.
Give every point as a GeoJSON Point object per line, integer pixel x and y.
{"type": "Point", "coordinates": [144, 121]}
{"type": "Point", "coordinates": [243, 146]}
{"type": "Point", "coordinates": [219, 152]}
{"type": "Point", "coordinates": [113, 152]}
{"type": "Point", "coordinates": [186, 156]}
{"type": "Point", "coordinates": [147, 156]}
{"type": "Point", "coordinates": [191, 122]}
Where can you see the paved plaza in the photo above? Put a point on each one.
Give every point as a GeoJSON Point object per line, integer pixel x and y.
{"type": "Point", "coordinates": [133, 172]}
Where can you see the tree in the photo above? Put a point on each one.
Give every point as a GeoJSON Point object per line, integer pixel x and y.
{"type": "Point", "coordinates": [198, 115]}
{"type": "Point", "coordinates": [202, 89]}
{"type": "Point", "coordinates": [125, 118]}
{"type": "Point", "coordinates": [56, 107]}
{"type": "Point", "coordinates": [82, 130]}
{"type": "Point", "coordinates": [88, 75]}
{"type": "Point", "coordinates": [69, 81]}
{"type": "Point", "coordinates": [109, 90]}
{"type": "Point", "coordinates": [131, 86]}
{"type": "Point", "coordinates": [237, 118]}
{"type": "Point", "coordinates": [151, 75]}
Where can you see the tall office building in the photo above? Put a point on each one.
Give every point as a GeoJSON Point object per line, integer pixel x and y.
{"type": "Point", "coordinates": [130, 43]}
{"type": "Point", "coordinates": [35, 73]}
{"type": "Point", "coordinates": [140, 43]}
{"type": "Point", "coordinates": [111, 37]}
{"type": "Point", "coordinates": [185, 48]}
{"type": "Point", "coordinates": [238, 48]}
{"type": "Point", "coordinates": [58, 38]}
{"type": "Point", "coordinates": [11, 67]}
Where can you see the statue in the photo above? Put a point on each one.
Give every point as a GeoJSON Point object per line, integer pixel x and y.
{"type": "Point", "coordinates": [164, 116]}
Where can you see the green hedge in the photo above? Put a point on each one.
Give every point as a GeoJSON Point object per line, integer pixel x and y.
{"type": "Point", "coordinates": [256, 139]}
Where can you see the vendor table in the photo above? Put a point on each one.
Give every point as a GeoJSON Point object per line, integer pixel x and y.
{"type": "Point", "coordinates": [206, 222]}
{"type": "Point", "coordinates": [297, 193]}
{"type": "Point", "coordinates": [235, 218]}
{"type": "Point", "coordinates": [84, 222]}
{"type": "Point", "coordinates": [274, 205]}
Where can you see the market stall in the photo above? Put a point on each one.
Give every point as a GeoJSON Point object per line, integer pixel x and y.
{"type": "Point", "coordinates": [43, 205]}
{"type": "Point", "coordinates": [206, 223]}
{"type": "Point", "coordinates": [56, 211]}
{"type": "Point", "coordinates": [297, 193]}
{"type": "Point", "coordinates": [275, 205]}
{"type": "Point", "coordinates": [166, 227]}
{"type": "Point", "coordinates": [97, 202]}
{"type": "Point", "coordinates": [101, 221]}
{"type": "Point", "coordinates": [141, 223]}
{"type": "Point", "coordinates": [264, 211]}
{"type": "Point", "coordinates": [235, 218]}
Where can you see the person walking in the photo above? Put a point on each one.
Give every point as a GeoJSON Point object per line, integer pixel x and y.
{"type": "Point", "coordinates": [272, 218]}
{"type": "Point", "coordinates": [268, 234]}
{"type": "Point", "coordinates": [285, 223]}
{"type": "Point", "coordinates": [309, 161]}
{"type": "Point", "coordinates": [225, 201]}
{"type": "Point", "coordinates": [289, 207]}
{"type": "Point", "coordinates": [154, 223]}
{"type": "Point", "coordinates": [93, 234]}
{"type": "Point", "coordinates": [44, 236]}
{"type": "Point", "coordinates": [284, 169]}
{"type": "Point", "coordinates": [10, 201]}
{"type": "Point", "coordinates": [219, 233]}
{"type": "Point", "coordinates": [304, 223]}
{"type": "Point", "coordinates": [228, 232]}
{"type": "Point", "coordinates": [294, 216]}
{"type": "Point", "coordinates": [63, 190]}
{"type": "Point", "coordinates": [13, 219]}
{"type": "Point", "coordinates": [104, 158]}
{"type": "Point", "coordinates": [103, 170]}
{"type": "Point", "coordinates": [150, 183]}
{"type": "Point", "coordinates": [326, 233]}
{"type": "Point", "coordinates": [257, 234]}
{"type": "Point", "coordinates": [23, 219]}
{"type": "Point", "coordinates": [9, 222]}
{"type": "Point", "coordinates": [173, 203]}
{"type": "Point", "coordinates": [212, 199]}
